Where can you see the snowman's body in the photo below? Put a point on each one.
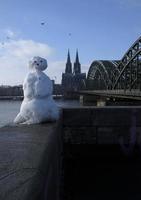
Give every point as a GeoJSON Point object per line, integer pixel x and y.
{"type": "Point", "coordinates": [38, 104]}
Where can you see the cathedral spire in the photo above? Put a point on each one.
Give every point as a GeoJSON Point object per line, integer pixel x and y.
{"type": "Point", "coordinates": [77, 57]}
{"type": "Point", "coordinates": [77, 66]}
{"type": "Point", "coordinates": [68, 58]}
{"type": "Point", "coordinates": [68, 64]}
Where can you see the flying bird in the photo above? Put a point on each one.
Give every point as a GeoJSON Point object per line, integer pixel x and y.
{"type": "Point", "coordinates": [42, 23]}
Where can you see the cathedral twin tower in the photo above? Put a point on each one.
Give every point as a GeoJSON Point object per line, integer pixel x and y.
{"type": "Point", "coordinates": [77, 65]}
{"type": "Point", "coordinates": [73, 80]}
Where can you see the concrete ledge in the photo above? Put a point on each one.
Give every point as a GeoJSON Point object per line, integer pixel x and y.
{"type": "Point", "coordinates": [29, 160]}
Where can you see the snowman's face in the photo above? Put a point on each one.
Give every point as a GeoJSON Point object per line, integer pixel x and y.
{"type": "Point", "coordinates": [38, 63]}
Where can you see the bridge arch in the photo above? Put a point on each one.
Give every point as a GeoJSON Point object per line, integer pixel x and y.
{"type": "Point", "coordinates": [102, 74]}
{"type": "Point", "coordinates": [130, 68]}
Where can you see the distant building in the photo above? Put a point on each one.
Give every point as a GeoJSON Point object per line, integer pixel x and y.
{"type": "Point", "coordinates": [73, 80]}
{"type": "Point", "coordinates": [11, 90]}
{"type": "Point", "coordinates": [6, 90]}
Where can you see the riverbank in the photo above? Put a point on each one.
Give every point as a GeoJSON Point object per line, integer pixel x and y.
{"type": "Point", "coordinates": [20, 98]}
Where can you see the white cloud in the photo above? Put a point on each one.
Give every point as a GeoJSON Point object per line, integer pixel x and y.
{"type": "Point", "coordinates": [55, 70]}
{"type": "Point", "coordinates": [14, 58]}
{"type": "Point", "coordinates": [25, 49]}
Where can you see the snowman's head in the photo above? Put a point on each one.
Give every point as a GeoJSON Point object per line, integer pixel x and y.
{"type": "Point", "coordinates": [38, 63]}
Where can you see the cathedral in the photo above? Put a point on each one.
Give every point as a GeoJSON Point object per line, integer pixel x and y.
{"type": "Point", "coordinates": [73, 80]}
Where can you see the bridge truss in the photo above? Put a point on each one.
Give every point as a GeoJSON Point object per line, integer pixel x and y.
{"type": "Point", "coordinates": [124, 74]}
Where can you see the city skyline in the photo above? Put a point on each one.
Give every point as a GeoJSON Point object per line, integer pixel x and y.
{"type": "Point", "coordinates": [98, 29]}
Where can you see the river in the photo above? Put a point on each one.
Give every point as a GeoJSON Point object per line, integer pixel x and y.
{"type": "Point", "coordinates": [9, 109]}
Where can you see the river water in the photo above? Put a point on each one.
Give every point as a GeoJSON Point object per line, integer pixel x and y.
{"type": "Point", "coordinates": [9, 109]}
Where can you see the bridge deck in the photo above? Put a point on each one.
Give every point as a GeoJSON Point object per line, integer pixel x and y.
{"type": "Point", "coordinates": [134, 95]}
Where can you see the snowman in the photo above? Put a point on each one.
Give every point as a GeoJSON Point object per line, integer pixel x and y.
{"type": "Point", "coordinates": [38, 105]}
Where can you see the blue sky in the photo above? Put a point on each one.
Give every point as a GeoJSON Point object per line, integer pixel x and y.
{"type": "Point", "coordinates": [100, 29]}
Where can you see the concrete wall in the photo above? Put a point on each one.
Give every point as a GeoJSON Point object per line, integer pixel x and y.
{"type": "Point", "coordinates": [95, 165]}
{"type": "Point", "coordinates": [107, 125]}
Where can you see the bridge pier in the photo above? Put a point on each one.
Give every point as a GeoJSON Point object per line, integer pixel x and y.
{"type": "Point", "coordinates": [87, 100]}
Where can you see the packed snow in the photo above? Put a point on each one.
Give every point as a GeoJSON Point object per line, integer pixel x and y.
{"type": "Point", "coordinates": [38, 105]}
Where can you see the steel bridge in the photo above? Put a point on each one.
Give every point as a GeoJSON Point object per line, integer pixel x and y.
{"type": "Point", "coordinates": [124, 74]}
